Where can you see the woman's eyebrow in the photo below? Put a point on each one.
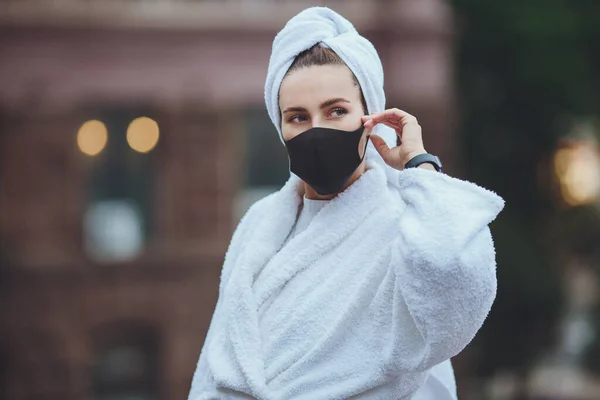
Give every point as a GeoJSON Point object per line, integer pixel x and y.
{"type": "Point", "coordinates": [295, 109]}
{"type": "Point", "coordinates": [331, 102]}
{"type": "Point", "coordinates": [325, 104]}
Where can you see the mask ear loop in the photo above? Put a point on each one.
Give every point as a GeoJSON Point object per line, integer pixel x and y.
{"type": "Point", "coordinates": [366, 144]}
{"type": "Point", "coordinates": [365, 150]}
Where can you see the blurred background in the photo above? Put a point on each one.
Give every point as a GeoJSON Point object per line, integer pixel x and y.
{"type": "Point", "coordinates": [133, 137]}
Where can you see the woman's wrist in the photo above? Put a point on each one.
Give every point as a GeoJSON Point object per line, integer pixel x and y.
{"type": "Point", "coordinates": [427, 166]}
{"type": "Point", "coordinates": [423, 160]}
{"type": "Point", "coordinates": [412, 155]}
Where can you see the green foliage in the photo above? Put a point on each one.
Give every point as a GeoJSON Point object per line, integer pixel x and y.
{"type": "Point", "coordinates": [525, 70]}
{"type": "Point", "coordinates": [520, 325]}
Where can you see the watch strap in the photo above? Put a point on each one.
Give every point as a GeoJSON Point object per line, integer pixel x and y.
{"type": "Point", "coordinates": [425, 158]}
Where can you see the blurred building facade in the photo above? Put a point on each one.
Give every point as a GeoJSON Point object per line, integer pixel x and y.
{"type": "Point", "coordinates": [128, 132]}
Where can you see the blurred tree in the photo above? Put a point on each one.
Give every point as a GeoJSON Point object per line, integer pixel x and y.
{"type": "Point", "coordinates": [580, 232]}
{"type": "Point", "coordinates": [526, 71]}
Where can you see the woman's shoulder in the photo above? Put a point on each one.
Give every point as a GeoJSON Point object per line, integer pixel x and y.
{"type": "Point", "coordinates": [258, 209]}
{"type": "Point", "coordinates": [262, 205]}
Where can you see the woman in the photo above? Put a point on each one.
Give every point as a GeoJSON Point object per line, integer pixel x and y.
{"type": "Point", "coordinates": [370, 268]}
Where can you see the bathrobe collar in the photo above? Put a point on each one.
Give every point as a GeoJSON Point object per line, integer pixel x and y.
{"type": "Point", "coordinates": [341, 216]}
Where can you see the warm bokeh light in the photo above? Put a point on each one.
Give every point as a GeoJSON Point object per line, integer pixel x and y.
{"type": "Point", "coordinates": [577, 167]}
{"type": "Point", "coordinates": [142, 134]}
{"type": "Point", "coordinates": [92, 137]}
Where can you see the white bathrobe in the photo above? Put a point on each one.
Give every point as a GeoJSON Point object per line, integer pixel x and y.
{"type": "Point", "coordinates": [388, 281]}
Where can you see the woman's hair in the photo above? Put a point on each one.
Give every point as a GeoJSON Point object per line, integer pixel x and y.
{"type": "Point", "coordinates": [319, 55]}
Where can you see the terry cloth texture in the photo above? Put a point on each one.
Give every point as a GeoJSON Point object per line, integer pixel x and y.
{"type": "Point", "coordinates": [370, 301]}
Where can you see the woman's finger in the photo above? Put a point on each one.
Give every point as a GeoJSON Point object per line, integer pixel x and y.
{"type": "Point", "coordinates": [390, 123]}
{"type": "Point", "coordinates": [393, 112]}
{"type": "Point", "coordinates": [381, 147]}
{"type": "Point", "coordinates": [396, 126]}
{"type": "Point", "coordinates": [394, 115]}
{"type": "Point", "coordinates": [368, 130]}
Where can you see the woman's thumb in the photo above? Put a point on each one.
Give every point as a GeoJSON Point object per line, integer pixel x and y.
{"type": "Point", "coordinates": [381, 146]}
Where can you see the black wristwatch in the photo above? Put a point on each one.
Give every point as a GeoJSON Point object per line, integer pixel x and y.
{"type": "Point", "coordinates": [425, 158]}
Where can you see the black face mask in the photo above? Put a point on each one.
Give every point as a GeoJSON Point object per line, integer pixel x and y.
{"type": "Point", "coordinates": [325, 158]}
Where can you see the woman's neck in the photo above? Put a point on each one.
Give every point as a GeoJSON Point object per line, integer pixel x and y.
{"type": "Point", "coordinates": [311, 194]}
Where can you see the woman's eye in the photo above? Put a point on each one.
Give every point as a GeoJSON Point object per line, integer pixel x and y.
{"type": "Point", "coordinates": [297, 118]}
{"type": "Point", "coordinates": [338, 112]}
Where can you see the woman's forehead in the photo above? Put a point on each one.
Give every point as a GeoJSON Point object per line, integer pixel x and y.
{"type": "Point", "coordinates": [312, 85]}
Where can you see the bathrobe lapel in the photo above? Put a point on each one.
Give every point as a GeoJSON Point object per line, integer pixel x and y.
{"type": "Point", "coordinates": [266, 249]}
{"type": "Point", "coordinates": [242, 355]}
{"type": "Point", "coordinates": [340, 217]}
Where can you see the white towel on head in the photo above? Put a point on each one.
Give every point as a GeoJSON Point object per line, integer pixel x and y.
{"type": "Point", "coordinates": [322, 25]}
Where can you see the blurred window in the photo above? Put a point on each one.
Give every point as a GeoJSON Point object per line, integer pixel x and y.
{"type": "Point", "coordinates": [125, 365]}
{"type": "Point", "coordinates": [265, 168]}
{"type": "Point", "coordinates": [121, 149]}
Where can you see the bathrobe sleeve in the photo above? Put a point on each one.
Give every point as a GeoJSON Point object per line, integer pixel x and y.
{"type": "Point", "coordinates": [445, 266]}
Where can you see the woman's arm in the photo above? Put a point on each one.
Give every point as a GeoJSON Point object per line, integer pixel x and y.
{"type": "Point", "coordinates": [445, 266]}
{"type": "Point", "coordinates": [443, 257]}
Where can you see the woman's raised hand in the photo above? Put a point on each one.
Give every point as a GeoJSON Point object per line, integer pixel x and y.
{"type": "Point", "coordinates": [408, 130]}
